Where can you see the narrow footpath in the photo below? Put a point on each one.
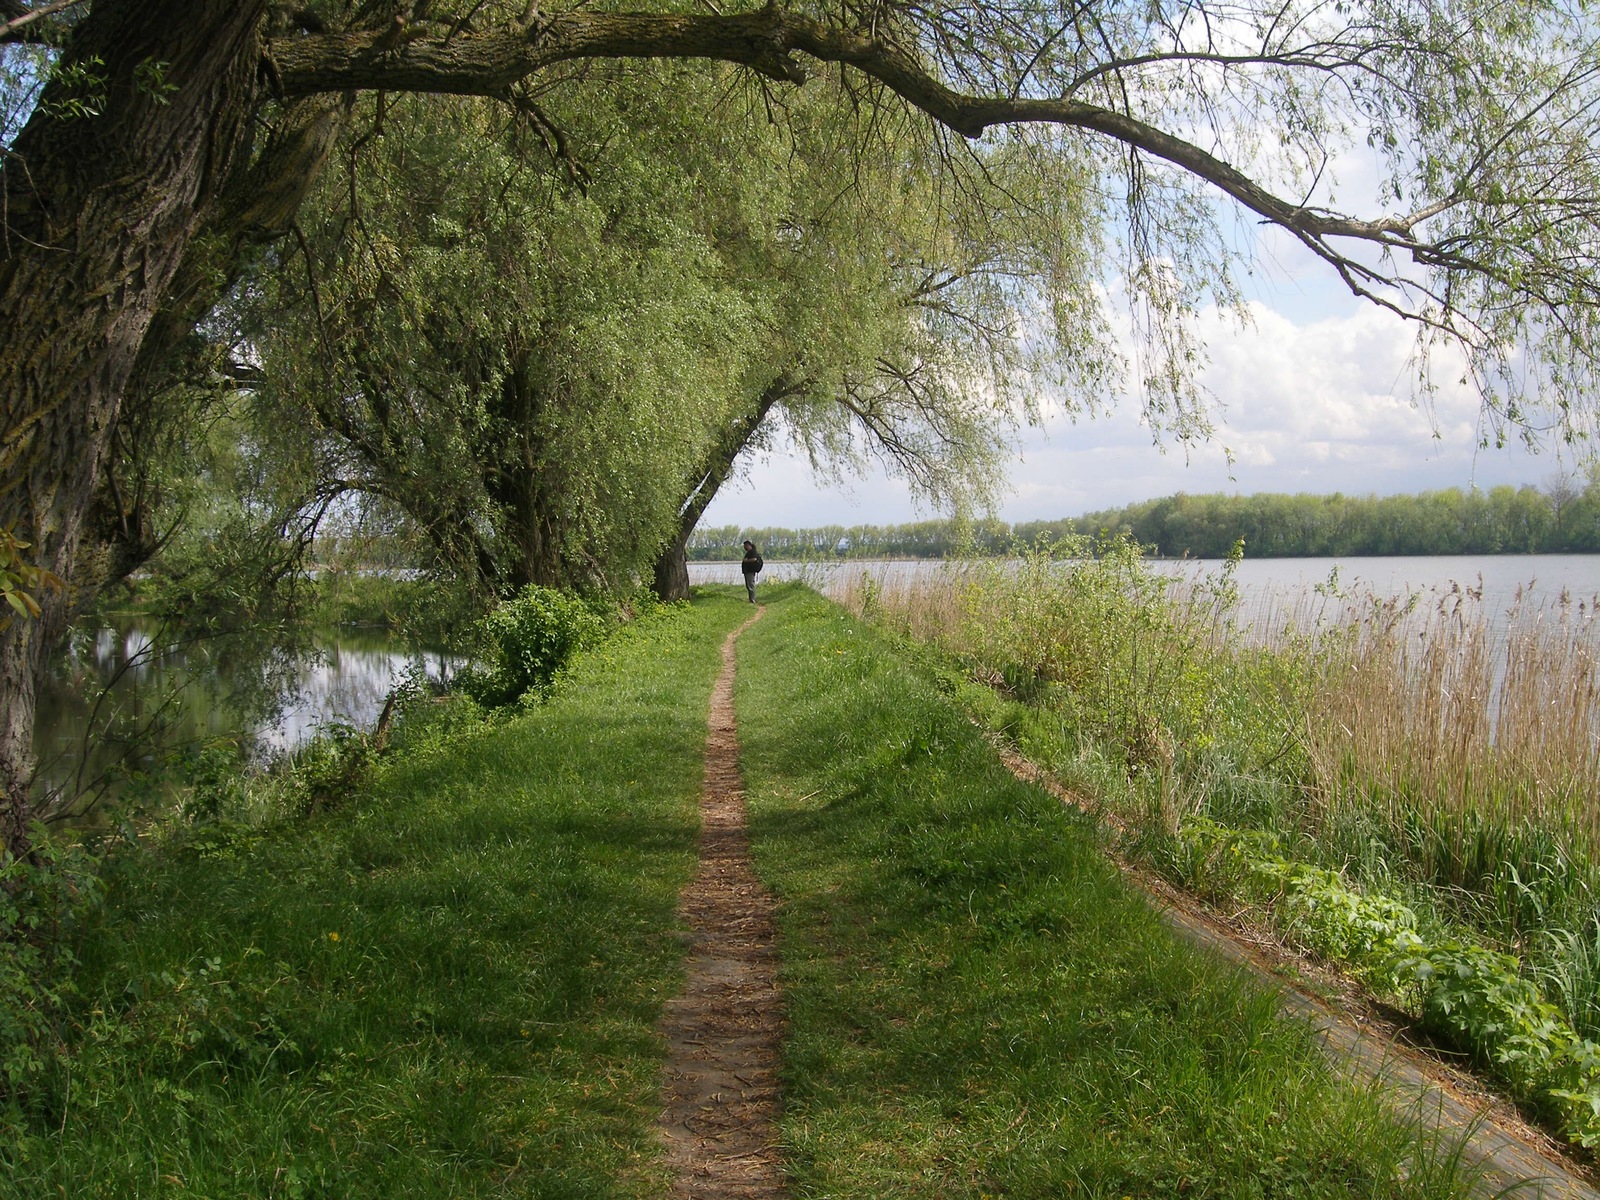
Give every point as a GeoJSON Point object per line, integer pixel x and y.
{"type": "Point", "coordinates": [720, 1081]}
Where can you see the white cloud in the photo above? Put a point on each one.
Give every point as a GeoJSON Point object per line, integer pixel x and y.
{"type": "Point", "coordinates": [1315, 395]}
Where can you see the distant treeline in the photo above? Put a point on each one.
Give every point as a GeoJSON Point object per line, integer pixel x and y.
{"type": "Point", "coordinates": [1563, 517]}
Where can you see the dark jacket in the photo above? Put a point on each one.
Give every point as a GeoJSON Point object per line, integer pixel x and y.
{"type": "Point", "coordinates": [752, 563]}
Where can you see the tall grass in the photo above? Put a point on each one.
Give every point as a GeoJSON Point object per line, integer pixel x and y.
{"type": "Point", "coordinates": [1469, 739]}
{"type": "Point", "coordinates": [1409, 745]}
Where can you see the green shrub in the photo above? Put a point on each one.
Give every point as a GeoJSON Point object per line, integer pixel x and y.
{"type": "Point", "coordinates": [426, 724]}
{"type": "Point", "coordinates": [526, 641]}
{"type": "Point", "coordinates": [333, 765]}
{"type": "Point", "coordinates": [41, 897]}
{"type": "Point", "coordinates": [1472, 997]}
{"type": "Point", "coordinates": [1476, 998]}
{"type": "Point", "coordinates": [1341, 924]}
{"type": "Point", "coordinates": [1575, 1092]}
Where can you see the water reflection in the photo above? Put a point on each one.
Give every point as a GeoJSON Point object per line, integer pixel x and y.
{"type": "Point", "coordinates": [130, 697]}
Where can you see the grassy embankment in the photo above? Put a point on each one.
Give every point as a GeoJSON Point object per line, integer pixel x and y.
{"type": "Point", "coordinates": [1391, 791]}
{"type": "Point", "coordinates": [443, 985]}
{"type": "Point", "coordinates": [977, 1004]}
{"type": "Point", "coordinates": [445, 982]}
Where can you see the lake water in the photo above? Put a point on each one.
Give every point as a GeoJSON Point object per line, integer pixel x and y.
{"type": "Point", "coordinates": [1271, 588]}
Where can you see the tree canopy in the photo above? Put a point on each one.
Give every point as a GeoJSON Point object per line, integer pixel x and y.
{"type": "Point", "coordinates": [542, 362]}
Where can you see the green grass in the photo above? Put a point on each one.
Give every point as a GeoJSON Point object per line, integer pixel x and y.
{"type": "Point", "coordinates": [446, 987]}
{"type": "Point", "coordinates": [977, 1005]}
{"type": "Point", "coordinates": [448, 984]}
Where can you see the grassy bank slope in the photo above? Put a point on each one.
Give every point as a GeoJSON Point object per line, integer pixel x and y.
{"type": "Point", "coordinates": [446, 987]}
{"type": "Point", "coordinates": [977, 1005]}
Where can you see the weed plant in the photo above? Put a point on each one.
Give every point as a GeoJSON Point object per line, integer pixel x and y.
{"type": "Point", "coordinates": [977, 1005]}
{"type": "Point", "coordinates": [1393, 743]}
{"type": "Point", "coordinates": [442, 981]}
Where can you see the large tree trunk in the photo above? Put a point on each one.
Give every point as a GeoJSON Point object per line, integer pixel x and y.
{"type": "Point", "coordinates": [259, 205]}
{"type": "Point", "coordinates": [671, 574]}
{"type": "Point", "coordinates": [99, 212]}
{"type": "Point", "coordinates": [671, 578]}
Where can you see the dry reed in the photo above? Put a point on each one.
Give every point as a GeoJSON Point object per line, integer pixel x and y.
{"type": "Point", "coordinates": [1433, 715]}
{"type": "Point", "coordinates": [1416, 714]}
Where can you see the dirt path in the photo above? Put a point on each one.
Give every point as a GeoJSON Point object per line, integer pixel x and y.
{"type": "Point", "coordinates": [1510, 1156]}
{"type": "Point", "coordinates": [720, 1080]}
{"type": "Point", "coordinates": [723, 1033]}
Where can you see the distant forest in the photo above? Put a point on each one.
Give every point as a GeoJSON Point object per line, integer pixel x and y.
{"type": "Point", "coordinates": [1562, 517]}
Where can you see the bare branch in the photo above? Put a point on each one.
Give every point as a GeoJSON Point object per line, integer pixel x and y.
{"type": "Point", "coordinates": [10, 29]}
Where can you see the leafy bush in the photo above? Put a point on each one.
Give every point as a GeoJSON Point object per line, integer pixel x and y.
{"type": "Point", "coordinates": [229, 799]}
{"type": "Point", "coordinates": [333, 765]}
{"type": "Point", "coordinates": [526, 641]}
{"type": "Point", "coordinates": [426, 724]}
{"type": "Point", "coordinates": [1475, 998]}
{"type": "Point", "coordinates": [41, 896]}
{"type": "Point", "coordinates": [1338, 923]}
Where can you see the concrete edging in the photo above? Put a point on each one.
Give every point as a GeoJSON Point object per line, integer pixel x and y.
{"type": "Point", "coordinates": [1507, 1154]}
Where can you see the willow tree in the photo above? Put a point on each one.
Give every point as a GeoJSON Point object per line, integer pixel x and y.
{"type": "Point", "coordinates": [518, 348]}
{"type": "Point", "coordinates": [551, 360]}
{"type": "Point", "coordinates": [931, 295]}
{"type": "Point", "coordinates": [1482, 115]}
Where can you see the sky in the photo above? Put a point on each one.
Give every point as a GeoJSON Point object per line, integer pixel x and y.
{"type": "Point", "coordinates": [1314, 395]}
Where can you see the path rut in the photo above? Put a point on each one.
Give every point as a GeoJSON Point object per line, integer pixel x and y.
{"type": "Point", "coordinates": [720, 1081]}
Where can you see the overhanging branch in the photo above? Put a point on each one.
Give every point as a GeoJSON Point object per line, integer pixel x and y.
{"type": "Point", "coordinates": [768, 41]}
{"type": "Point", "coordinates": [11, 30]}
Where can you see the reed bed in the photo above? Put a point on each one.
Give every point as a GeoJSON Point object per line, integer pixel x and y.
{"type": "Point", "coordinates": [1397, 740]}
{"type": "Point", "coordinates": [1440, 713]}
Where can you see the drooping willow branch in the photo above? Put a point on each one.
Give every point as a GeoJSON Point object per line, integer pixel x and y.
{"type": "Point", "coordinates": [771, 42]}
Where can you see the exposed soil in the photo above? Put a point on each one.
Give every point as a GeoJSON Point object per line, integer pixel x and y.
{"type": "Point", "coordinates": [720, 1080]}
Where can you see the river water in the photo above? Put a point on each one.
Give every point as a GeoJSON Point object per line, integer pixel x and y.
{"type": "Point", "coordinates": [127, 697]}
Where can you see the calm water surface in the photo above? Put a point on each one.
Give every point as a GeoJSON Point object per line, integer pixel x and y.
{"type": "Point", "coordinates": [123, 697]}
{"type": "Point", "coordinates": [1273, 588]}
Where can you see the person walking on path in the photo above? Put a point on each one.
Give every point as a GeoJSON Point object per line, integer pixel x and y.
{"type": "Point", "coordinates": [751, 566]}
